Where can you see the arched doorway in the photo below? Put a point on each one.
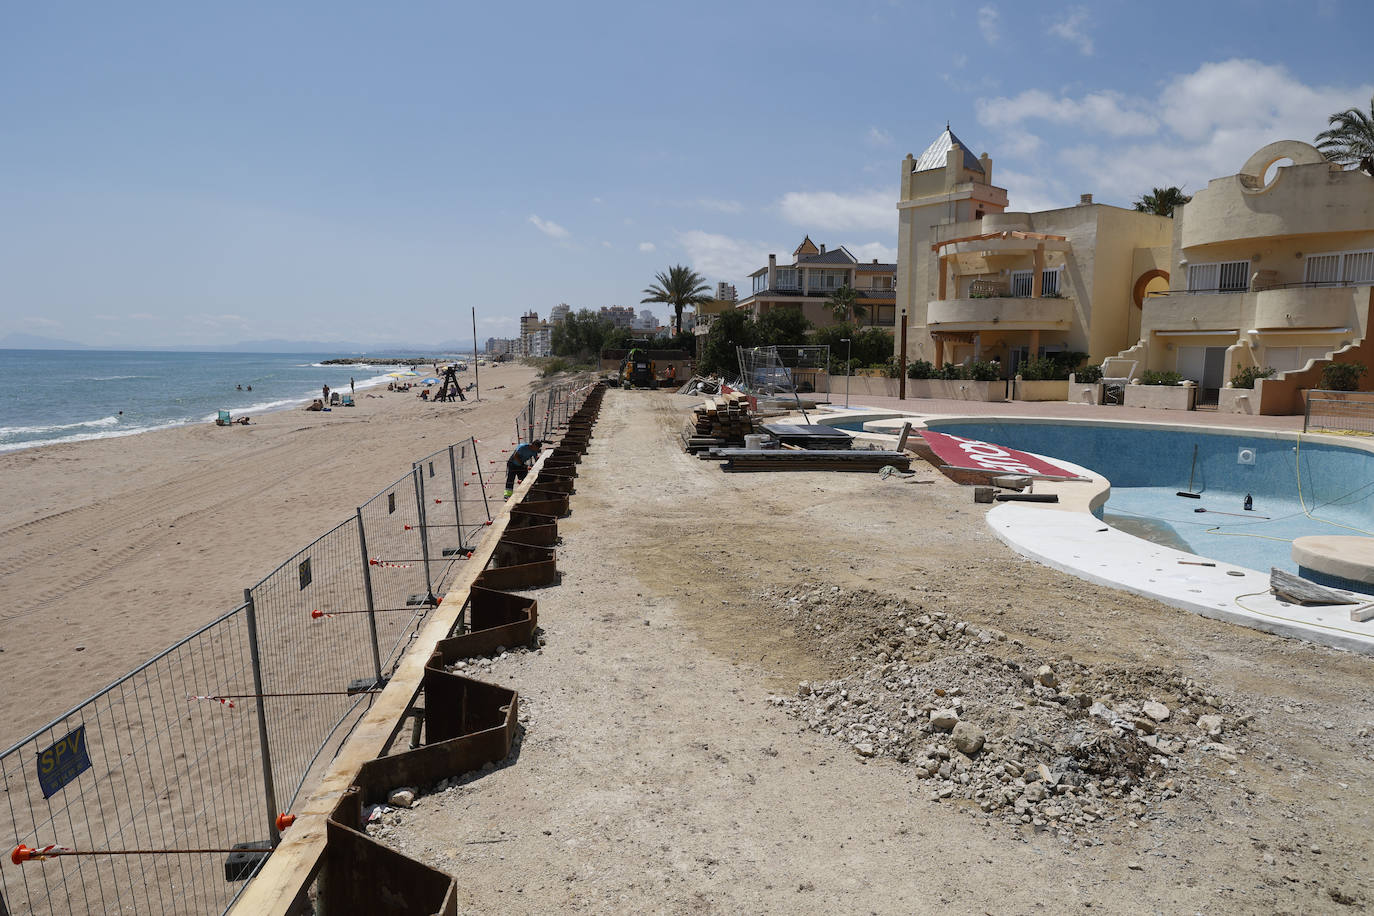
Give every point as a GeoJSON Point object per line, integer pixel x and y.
{"type": "Point", "coordinates": [1151, 281]}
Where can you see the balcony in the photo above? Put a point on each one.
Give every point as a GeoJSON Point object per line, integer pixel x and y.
{"type": "Point", "coordinates": [1318, 307]}
{"type": "Point", "coordinates": [999, 313]}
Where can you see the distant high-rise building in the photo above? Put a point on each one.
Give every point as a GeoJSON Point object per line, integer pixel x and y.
{"type": "Point", "coordinates": [559, 312]}
{"type": "Point", "coordinates": [646, 321]}
{"type": "Point", "coordinates": [725, 292]}
{"type": "Point", "coordinates": [622, 316]}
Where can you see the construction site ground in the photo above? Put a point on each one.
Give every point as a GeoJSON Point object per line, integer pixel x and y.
{"type": "Point", "coordinates": [670, 762]}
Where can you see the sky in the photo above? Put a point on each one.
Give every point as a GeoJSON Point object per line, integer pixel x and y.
{"type": "Point", "coordinates": [202, 174]}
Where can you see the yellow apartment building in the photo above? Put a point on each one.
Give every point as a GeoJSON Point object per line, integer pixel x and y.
{"type": "Point", "coordinates": [1270, 267]}
{"type": "Point", "coordinates": [977, 281]}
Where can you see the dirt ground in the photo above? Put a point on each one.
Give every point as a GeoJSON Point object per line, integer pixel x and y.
{"type": "Point", "coordinates": [671, 763]}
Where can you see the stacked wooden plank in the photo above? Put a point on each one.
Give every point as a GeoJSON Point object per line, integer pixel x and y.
{"type": "Point", "coordinates": [721, 421]}
{"type": "Point", "coordinates": [767, 459]}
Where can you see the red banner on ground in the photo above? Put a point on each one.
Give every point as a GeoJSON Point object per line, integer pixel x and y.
{"type": "Point", "coordinates": [975, 455]}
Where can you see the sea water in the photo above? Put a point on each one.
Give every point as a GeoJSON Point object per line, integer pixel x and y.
{"type": "Point", "coordinates": [49, 396]}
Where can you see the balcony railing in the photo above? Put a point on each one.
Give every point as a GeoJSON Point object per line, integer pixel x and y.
{"type": "Point", "coordinates": [862, 291]}
{"type": "Point", "coordinates": [1264, 287]}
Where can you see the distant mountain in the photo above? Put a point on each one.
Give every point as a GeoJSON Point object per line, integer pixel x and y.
{"type": "Point", "coordinates": [18, 341]}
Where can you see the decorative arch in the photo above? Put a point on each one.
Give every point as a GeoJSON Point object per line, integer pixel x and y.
{"type": "Point", "coordinates": [1138, 293]}
{"type": "Point", "coordinates": [1257, 166]}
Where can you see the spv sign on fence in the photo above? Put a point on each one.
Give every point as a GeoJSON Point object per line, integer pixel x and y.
{"type": "Point", "coordinates": [63, 762]}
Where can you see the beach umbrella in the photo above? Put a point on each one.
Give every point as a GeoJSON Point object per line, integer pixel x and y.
{"type": "Point", "coordinates": [429, 381]}
{"type": "Point", "coordinates": [397, 374]}
{"type": "Point", "coordinates": [409, 374]}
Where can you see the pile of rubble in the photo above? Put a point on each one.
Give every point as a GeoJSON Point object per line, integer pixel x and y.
{"type": "Point", "coordinates": [1047, 742]}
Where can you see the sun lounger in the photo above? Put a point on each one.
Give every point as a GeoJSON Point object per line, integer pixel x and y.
{"type": "Point", "coordinates": [223, 418]}
{"type": "Point", "coordinates": [348, 401]}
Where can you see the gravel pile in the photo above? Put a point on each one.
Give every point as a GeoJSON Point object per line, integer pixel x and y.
{"type": "Point", "coordinates": [1047, 742]}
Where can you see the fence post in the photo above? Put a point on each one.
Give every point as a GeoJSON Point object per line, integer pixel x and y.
{"type": "Point", "coordinates": [418, 477]}
{"type": "Point", "coordinates": [457, 506]}
{"type": "Point", "coordinates": [1307, 412]}
{"type": "Point", "coordinates": [477, 460]}
{"type": "Point", "coordinates": [269, 789]}
{"type": "Point", "coordinates": [367, 594]}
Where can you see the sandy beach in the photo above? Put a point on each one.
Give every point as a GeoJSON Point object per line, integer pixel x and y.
{"type": "Point", "coordinates": [116, 548]}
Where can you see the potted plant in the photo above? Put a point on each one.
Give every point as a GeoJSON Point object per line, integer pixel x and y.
{"type": "Point", "coordinates": [1239, 396]}
{"type": "Point", "coordinates": [1342, 376]}
{"type": "Point", "coordinates": [1162, 390]}
{"type": "Point", "coordinates": [1085, 384]}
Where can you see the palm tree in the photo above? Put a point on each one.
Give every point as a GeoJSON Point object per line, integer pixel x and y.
{"type": "Point", "coordinates": [679, 287]}
{"type": "Point", "coordinates": [1351, 137]}
{"type": "Point", "coordinates": [844, 304]}
{"type": "Point", "coordinates": [1162, 201]}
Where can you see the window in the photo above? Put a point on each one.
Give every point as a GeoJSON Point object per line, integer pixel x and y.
{"type": "Point", "coordinates": [827, 279]}
{"type": "Point", "coordinates": [786, 278]}
{"type": "Point", "coordinates": [1286, 359]}
{"type": "Point", "coordinates": [1222, 277]}
{"type": "Point", "coordinates": [1022, 283]}
{"type": "Point", "coordinates": [880, 283]}
{"type": "Point", "coordinates": [1353, 267]}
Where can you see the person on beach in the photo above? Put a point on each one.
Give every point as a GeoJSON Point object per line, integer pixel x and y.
{"type": "Point", "coordinates": [326, 394]}
{"type": "Point", "coordinates": [351, 388]}
{"type": "Point", "coordinates": [518, 464]}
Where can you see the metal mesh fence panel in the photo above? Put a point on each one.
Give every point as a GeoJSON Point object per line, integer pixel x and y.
{"type": "Point", "coordinates": [438, 476]}
{"type": "Point", "coordinates": [400, 584]}
{"type": "Point", "coordinates": [309, 657]}
{"type": "Point", "coordinates": [148, 764]}
{"type": "Point", "coordinates": [1335, 411]}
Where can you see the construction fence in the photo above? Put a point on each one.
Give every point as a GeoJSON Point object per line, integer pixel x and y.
{"type": "Point", "coordinates": [159, 794]}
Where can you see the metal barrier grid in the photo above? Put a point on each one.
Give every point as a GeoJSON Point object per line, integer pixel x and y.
{"type": "Point", "coordinates": [162, 776]}
{"type": "Point", "coordinates": [1332, 412]}
{"type": "Point", "coordinates": [398, 572]}
{"type": "Point", "coordinates": [308, 661]}
{"type": "Point", "coordinates": [169, 768]}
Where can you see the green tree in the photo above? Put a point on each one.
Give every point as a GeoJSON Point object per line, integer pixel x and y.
{"type": "Point", "coordinates": [1162, 201]}
{"type": "Point", "coordinates": [781, 326]}
{"type": "Point", "coordinates": [729, 330]}
{"type": "Point", "coordinates": [867, 346]}
{"type": "Point", "coordinates": [581, 334]}
{"type": "Point", "coordinates": [679, 287]}
{"type": "Point", "coordinates": [844, 305]}
{"type": "Point", "coordinates": [1350, 137]}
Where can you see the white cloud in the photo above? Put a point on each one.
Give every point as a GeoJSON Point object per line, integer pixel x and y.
{"type": "Point", "coordinates": [596, 200]}
{"type": "Point", "coordinates": [1030, 193]}
{"type": "Point", "coordinates": [141, 316]}
{"type": "Point", "coordinates": [607, 245]}
{"type": "Point", "coordinates": [988, 22]}
{"type": "Point", "coordinates": [879, 137]}
{"type": "Point", "coordinates": [1214, 118]}
{"type": "Point", "coordinates": [721, 257]}
{"type": "Point", "coordinates": [549, 227]}
{"type": "Point", "coordinates": [832, 210]}
{"type": "Point", "coordinates": [1109, 112]}
{"type": "Point", "coordinates": [1071, 29]}
{"type": "Point", "coordinates": [870, 250]}
{"type": "Point", "coordinates": [646, 246]}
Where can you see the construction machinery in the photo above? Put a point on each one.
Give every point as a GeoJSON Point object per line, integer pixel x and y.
{"type": "Point", "coordinates": [637, 370]}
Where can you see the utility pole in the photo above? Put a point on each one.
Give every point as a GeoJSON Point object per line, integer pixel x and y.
{"type": "Point", "coordinates": [901, 362]}
{"type": "Point", "coordinates": [476, 378]}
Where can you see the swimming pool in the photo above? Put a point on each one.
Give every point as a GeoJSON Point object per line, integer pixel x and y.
{"type": "Point", "coordinates": [1298, 486]}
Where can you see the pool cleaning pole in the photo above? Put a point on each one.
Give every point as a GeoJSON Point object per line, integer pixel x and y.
{"type": "Point", "coordinates": [1190, 494]}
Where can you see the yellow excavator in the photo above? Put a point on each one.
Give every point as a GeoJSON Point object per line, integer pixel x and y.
{"type": "Point", "coordinates": [638, 371]}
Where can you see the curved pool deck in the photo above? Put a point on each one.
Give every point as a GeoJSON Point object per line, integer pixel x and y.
{"type": "Point", "coordinates": [1070, 537]}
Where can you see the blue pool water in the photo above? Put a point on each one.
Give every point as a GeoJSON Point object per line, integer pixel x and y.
{"type": "Point", "coordinates": [1147, 466]}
